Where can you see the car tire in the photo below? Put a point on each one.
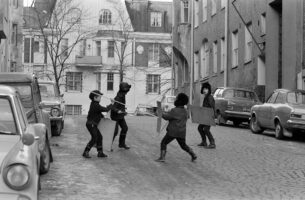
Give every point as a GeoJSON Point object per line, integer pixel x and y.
{"type": "Point", "coordinates": [219, 119]}
{"type": "Point", "coordinates": [254, 126]}
{"type": "Point", "coordinates": [279, 131]}
{"type": "Point", "coordinates": [45, 159]}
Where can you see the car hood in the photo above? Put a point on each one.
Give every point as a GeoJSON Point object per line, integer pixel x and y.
{"type": "Point", "coordinates": [7, 143]}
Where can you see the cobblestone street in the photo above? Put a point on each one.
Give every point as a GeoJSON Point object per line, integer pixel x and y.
{"type": "Point", "coordinates": [243, 166]}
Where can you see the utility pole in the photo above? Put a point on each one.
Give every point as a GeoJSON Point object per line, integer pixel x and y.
{"type": "Point", "coordinates": [192, 52]}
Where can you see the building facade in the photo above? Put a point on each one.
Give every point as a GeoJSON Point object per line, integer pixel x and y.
{"type": "Point", "coordinates": [11, 23]}
{"type": "Point", "coordinates": [258, 49]}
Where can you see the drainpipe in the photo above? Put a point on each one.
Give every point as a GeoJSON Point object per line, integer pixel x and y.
{"type": "Point", "coordinates": [226, 46]}
{"type": "Point", "coordinates": [192, 52]}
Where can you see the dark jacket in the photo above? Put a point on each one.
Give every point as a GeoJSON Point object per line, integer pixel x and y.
{"type": "Point", "coordinates": [95, 112]}
{"type": "Point", "coordinates": [120, 97]}
{"type": "Point", "coordinates": [209, 102]}
{"type": "Point", "coordinates": [177, 118]}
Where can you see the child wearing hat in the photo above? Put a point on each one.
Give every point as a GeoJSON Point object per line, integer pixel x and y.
{"type": "Point", "coordinates": [94, 116]}
{"type": "Point", "coordinates": [176, 129]}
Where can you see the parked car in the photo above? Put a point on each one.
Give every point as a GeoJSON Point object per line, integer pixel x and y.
{"type": "Point", "coordinates": [53, 103]}
{"type": "Point", "coordinates": [25, 150]}
{"type": "Point", "coordinates": [145, 109]}
{"type": "Point", "coordinates": [284, 112]}
{"type": "Point", "coordinates": [28, 88]}
{"type": "Point", "coordinates": [167, 102]}
{"type": "Point", "coordinates": [234, 104]}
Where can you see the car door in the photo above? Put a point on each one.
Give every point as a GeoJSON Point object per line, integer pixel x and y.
{"type": "Point", "coordinates": [264, 113]}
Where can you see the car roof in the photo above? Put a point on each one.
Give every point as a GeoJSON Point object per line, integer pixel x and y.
{"type": "Point", "coordinates": [235, 88]}
{"type": "Point", "coordinates": [288, 90]}
{"type": "Point", "coordinates": [7, 90]}
{"type": "Point", "coordinates": [12, 77]}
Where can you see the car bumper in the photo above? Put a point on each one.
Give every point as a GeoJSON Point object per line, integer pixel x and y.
{"type": "Point", "coordinates": [7, 196]}
{"type": "Point", "coordinates": [235, 114]}
{"type": "Point", "coordinates": [56, 118]}
{"type": "Point", "coordinates": [295, 124]}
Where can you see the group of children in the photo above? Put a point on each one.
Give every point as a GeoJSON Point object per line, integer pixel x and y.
{"type": "Point", "coordinates": [176, 129]}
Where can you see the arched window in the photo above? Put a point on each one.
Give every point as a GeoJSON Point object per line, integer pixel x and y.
{"type": "Point", "coordinates": [105, 17]}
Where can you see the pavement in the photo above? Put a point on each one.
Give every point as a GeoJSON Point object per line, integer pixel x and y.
{"type": "Point", "coordinates": [243, 166]}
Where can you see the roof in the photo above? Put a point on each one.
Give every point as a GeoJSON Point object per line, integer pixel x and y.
{"type": "Point", "coordinates": [7, 90]}
{"type": "Point", "coordinates": [289, 90]}
{"type": "Point", "coordinates": [13, 77]}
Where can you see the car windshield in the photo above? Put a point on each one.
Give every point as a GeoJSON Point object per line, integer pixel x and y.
{"type": "Point", "coordinates": [240, 94]}
{"type": "Point", "coordinates": [7, 122]}
{"type": "Point", "coordinates": [46, 90]}
{"type": "Point", "coordinates": [171, 99]}
{"type": "Point", "coordinates": [25, 92]}
{"type": "Point", "coordinates": [296, 97]}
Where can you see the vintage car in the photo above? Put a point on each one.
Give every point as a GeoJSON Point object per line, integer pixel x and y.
{"type": "Point", "coordinates": [167, 102]}
{"type": "Point", "coordinates": [24, 147]}
{"type": "Point", "coordinates": [53, 103]}
{"type": "Point", "coordinates": [284, 112]}
{"type": "Point", "coordinates": [28, 88]}
{"type": "Point", "coordinates": [234, 104]}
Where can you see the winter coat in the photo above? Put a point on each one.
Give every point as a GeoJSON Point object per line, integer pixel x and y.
{"type": "Point", "coordinates": [209, 102]}
{"type": "Point", "coordinates": [177, 118]}
{"type": "Point", "coordinates": [95, 112]}
{"type": "Point", "coordinates": [120, 97]}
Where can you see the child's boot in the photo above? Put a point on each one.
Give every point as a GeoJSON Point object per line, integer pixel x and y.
{"type": "Point", "coordinates": [162, 156]}
{"type": "Point", "coordinates": [86, 154]}
{"type": "Point", "coordinates": [101, 154]}
{"type": "Point", "coordinates": [194, 157]}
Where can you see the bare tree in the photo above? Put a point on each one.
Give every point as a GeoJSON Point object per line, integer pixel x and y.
{"type": "Point", "coordinates": [56, 28]}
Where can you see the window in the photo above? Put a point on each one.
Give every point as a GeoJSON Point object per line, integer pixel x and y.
{"type": "Point", "coordinates": [64, 47]}
{"type": "Point", "coordinates": [110, 82]}
{"type": "Point", "coordinates": [263, 24]}
{"type": "Point", "coordinates": [153, 84]}
{"type": "Point", "coordinates": [235, 49]}
{"type": "Point", "coordinates": [153, 54]}
{"type": "Point", "coordinates": [215, 50]}
{"type": "Point", "coordinates": [272, 97]}
{"type": "Point", "coordinates": [73, 109]}
{"type": "Point", "coordinates": [15, 3]}
{"type": "Point", "coordinates": [74, 81]}
{"type": "Point", "coordinates": [155, 19]}
{"type": "Point", "coordinates": [185, 72]}
{"type": "Point", "coordinates": [123, 48]}
{"type": "Point", "coordinates": [223, 3]}
{"type": "Point", "coordinates": [248, 43]}
{"type": "Point", "coordinates": [82, 48]}
{"type": "Point", "coordinates": [14, 35]}
{"type": "Point", "coordinates": [204, 10]}
{"type": "Point", "coordinates": [296, 97]}
{"type": "Point", "coordinates": [204, 60]}
{"type": "Point", "coordinates": [196, 7]}
{"type": "Point", "coordinates": [176, 75]}
{"type": "Point", "coordinates": [8, 125]}
{"type": "Point", "coordinates": [223, 54]}
{"type": "Point", "coordinates": [214, 7]}
{"type": "Point", "coordinates": [105, 17]}
{"type": "Point", "coordinates": [98, 48]}
{"type": "Point", "coordinates": [36, 46]}
{"type": "Point", "coordinates": [28, 50]}
{"type": "Point", "coordinates": [184, 11]}
{"type": "Point", "coordinates": [110, 49]}
{"type": "Point", "coordinates": [196, 66]}
{"type": "Point", "coordinates": [98, 81]}
{"type": "Point", "coordinates": [281, 98]}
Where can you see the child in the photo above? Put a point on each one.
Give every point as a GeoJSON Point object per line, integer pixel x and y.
{"type": "Point", "coordinates": [176, 128]}
{"type": "Point", "coordinates": [204, 130]}
{"type": "Point", "coordinates": [93, 119]}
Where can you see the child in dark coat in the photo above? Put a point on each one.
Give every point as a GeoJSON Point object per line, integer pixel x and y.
{"type": "Point", "coordinates": [94, 116]}
{"type": "Point", "coordinates": [176, 128]}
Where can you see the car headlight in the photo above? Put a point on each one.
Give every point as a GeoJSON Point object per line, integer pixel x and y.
{"type": "Point", "coordinates": [17, 176]}
{"type": "Point", "coordinates": [55, 112]}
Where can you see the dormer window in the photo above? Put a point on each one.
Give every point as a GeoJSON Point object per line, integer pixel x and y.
{"type": "Point", "coordinates": [105, 17]}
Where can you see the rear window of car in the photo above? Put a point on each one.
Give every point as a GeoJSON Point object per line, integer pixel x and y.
{"type": "Point", "coordinates": [296, 97]}
{"type": "Point", "coordinates": [240, 94]}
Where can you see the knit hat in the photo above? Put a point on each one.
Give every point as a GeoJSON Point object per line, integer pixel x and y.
{"type": "Point", "coordinates": [181, 99]}
{"type": "Point", "coordinates": [94, 93]}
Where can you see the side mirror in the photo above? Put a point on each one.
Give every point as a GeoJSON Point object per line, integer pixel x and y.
{"type": "Point", "coordinates": [27, 139]}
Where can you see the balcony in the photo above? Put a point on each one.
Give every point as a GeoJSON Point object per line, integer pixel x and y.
{"type": "Point", "coordinates": [88, 61]}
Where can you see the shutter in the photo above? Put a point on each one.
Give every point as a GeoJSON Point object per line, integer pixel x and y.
{"type": "Point", "coordinates": [147, 83]}
{"type": "Point", "coordinates": [32, 50]}
{"type": "Point", "coordinates": [45, 51]}
{"type": "Point", "coordinates": [26, 53]}
{"type": "Point", "coordinates": [67, 73]}
{"type": "Point", "coordinates": [81, 82]}
{"type": "Point", "coordinates": [159, 77]}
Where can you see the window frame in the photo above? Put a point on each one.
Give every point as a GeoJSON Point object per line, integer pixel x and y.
{"type": "Point", "coordinates": [156, 19]}
{"type": "Point", "coordinates": [110, 81]}
{"type": "Point", "coordinates": [105, 17]}
{"type": "Point", "coordinates": [155, 80]}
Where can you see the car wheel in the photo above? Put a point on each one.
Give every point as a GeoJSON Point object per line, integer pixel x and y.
{"type": "Point", "coordinates": [45, 159]}
{"type": "Point", "coordinates": [254, 126]}
{"type": "Point", "coordinates": [279, 131]}
{"type": "Point", "coordinates": [219, 119]}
